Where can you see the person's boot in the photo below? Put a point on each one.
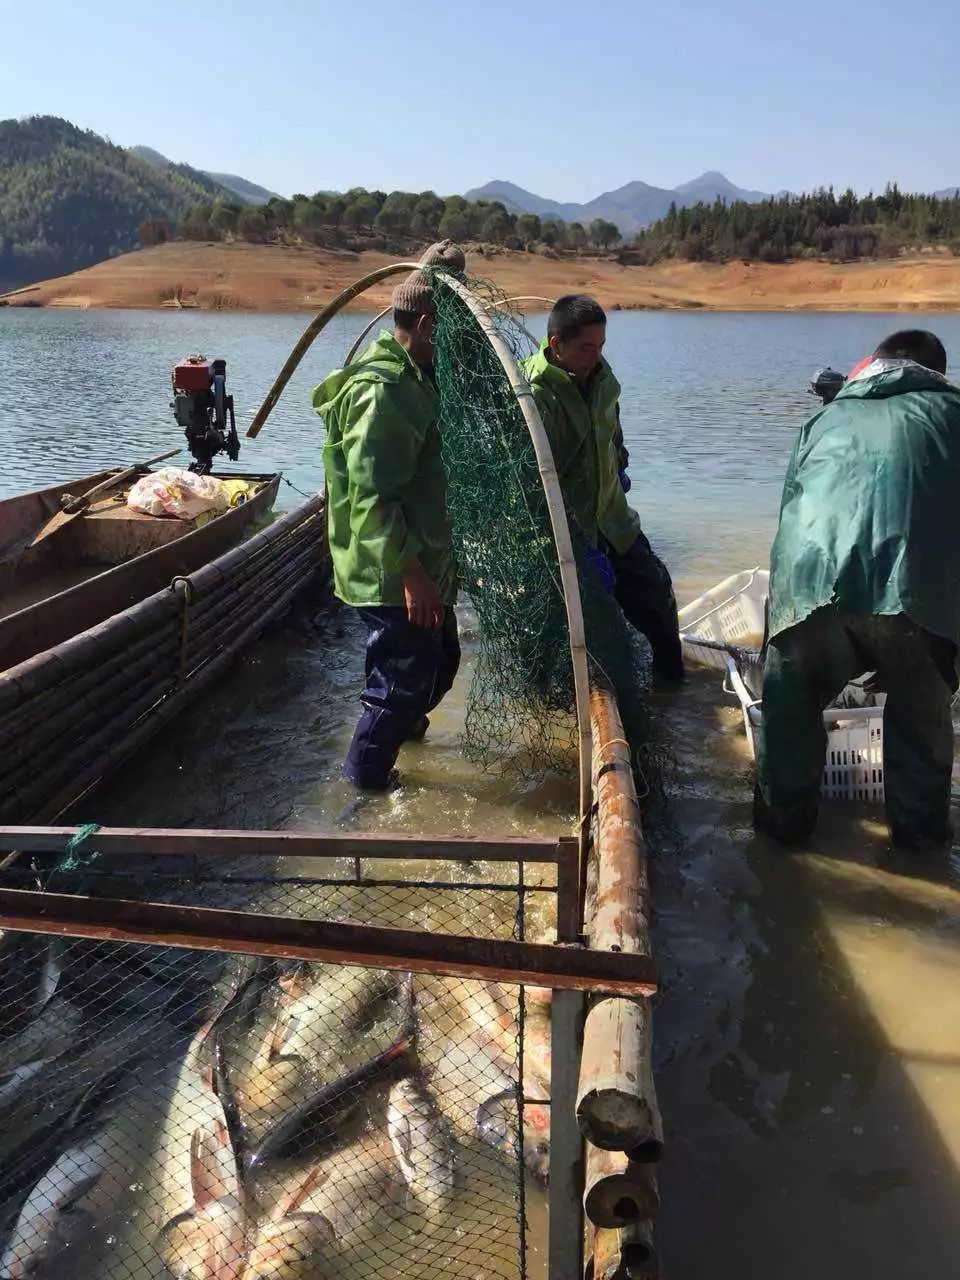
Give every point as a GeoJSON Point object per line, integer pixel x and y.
{"type": "Point", "coordinates": [921, 838]}
{"type": "Point", "coordinates": [419, 731]}
{"type": "Point", "coordinates": [791, 831]}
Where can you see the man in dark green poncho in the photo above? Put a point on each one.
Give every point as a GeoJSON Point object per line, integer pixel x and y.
{"type": "Point", "coordinates": [865, 576]}
{"type": "Point", "coordinates": [578, 398]}
{"type": "Point", "coordinates": [390, 539]}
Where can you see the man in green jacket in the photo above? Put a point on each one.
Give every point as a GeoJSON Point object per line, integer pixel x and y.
{"type": "Point", "coordinates": [388, 529]}
{"type": "Point", "coordinates": [579, 398]}
{"type": "Point", "coordinates": [865, 576]}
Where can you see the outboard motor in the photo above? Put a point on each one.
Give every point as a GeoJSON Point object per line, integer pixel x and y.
{"type": "Point", "coordinates": [825, 383]}
{"type": "Point", "coordinates": [201, 406]}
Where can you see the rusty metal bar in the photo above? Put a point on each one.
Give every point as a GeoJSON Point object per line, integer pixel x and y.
{"type": "Point", "coordinates": [569, 924]}
{"type": "Point", "coordinates": [209, 929]}
{"type": "Point", "coordinates": [565, 1223]}
{"type": "Point", "coordinates": [185, 841]}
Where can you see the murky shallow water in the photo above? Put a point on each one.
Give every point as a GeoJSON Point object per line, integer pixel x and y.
{"type": "Point", "coordinates": [808, 1035]}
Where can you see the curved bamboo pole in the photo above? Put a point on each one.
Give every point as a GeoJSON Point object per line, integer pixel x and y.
{"type": "Point", "coordinates": [314, 329]}
{"type": "Point", "coordinates": [364, 331]}
{"type": "Point", "coordinates": [521, 297]}
{"type": "Point", "coordinates": [569, 581]}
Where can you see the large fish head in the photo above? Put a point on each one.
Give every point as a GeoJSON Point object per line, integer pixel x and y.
{"type": "Point", "coordinates": [297, 1247]}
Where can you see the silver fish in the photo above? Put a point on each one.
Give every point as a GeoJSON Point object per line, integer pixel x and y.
{"type": "Point", "coordinates": [152, 1191]}
{"type": "Point", "coordinates": [421, 1140]}
{"type": "Point", "coordinates": [469, 1050]}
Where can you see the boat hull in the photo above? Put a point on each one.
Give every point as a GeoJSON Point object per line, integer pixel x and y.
{"type": "Point", "coordinates": [151, 553]}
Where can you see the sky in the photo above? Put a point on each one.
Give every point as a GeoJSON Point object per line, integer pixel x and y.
{"type": "Point", "coordinates": [567, 99]}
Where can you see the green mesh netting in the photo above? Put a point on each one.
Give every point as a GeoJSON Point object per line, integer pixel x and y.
{"type": "Point", "coordinates": [520, 710]}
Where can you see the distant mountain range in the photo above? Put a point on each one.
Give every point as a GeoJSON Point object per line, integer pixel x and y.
{"type": "Point", "coordinates": [633, 206]}
{"type": "Point", "coordinates": [248, 192]}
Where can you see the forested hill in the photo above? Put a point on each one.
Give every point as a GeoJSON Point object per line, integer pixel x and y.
{"type": "Point", "coordinates": [69, 198]}
{"type": "Point", "coordinates": [819, 225]}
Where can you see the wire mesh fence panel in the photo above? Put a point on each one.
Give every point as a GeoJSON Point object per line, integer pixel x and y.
{"type": "Point", "coordinates": [167, 1111]}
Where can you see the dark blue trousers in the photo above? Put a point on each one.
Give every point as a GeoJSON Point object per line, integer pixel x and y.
{"type": "Point", "coordinates": [644, 592]}
{"type": "Point", "coordinates": [408, 670]}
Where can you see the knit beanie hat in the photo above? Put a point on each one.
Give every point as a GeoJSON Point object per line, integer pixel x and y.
{"type": "Point", "coordinates": [414, 294]}
{"type": "Point", "coordinates": [447, 255]}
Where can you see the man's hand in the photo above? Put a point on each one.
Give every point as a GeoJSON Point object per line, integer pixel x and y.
{"type": "Point", "coordinates": [420, 595]}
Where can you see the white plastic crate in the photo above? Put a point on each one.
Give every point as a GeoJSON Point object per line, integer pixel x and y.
{"type": "Point", "coordinates": [730, 613]}
{"type": "Point", "coordinates": [733, 613]}
{"type": "Point", "coordinates": [854, 761]}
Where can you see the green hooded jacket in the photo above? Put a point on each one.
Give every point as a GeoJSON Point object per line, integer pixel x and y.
{"type": "Point", "coordinates": [385, 482]}
{"type": "Point", "coordinates": [584, 431]}
{"type": "Point", "coordinates": [870, 517]}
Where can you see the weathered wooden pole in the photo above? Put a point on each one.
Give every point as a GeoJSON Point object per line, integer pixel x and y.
{"type": "Point", "coordinates": [617, 1190]}
{"type": "Point", "coordinates": [616, 1103]}
{"type": "Point", "coordinates": [627, 1253]}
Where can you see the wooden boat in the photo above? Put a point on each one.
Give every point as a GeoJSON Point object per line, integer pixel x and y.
{"type": "Point", "coordinates": [110, 626]}
{"type": "Point", "coordinates": [105, 560]}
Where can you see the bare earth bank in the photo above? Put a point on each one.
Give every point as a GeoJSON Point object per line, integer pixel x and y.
{"type": "Point", "coordinates": [247, 277]}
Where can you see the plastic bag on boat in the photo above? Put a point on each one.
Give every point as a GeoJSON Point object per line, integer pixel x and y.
{"type": "Point", "coordinates": [237, 491]}
{"type": "Point", "coordinates": [173, 491]}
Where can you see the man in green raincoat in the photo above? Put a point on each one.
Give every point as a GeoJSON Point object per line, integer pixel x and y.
{"type": "Point", "coordinates": [578, 398]}
{"type": "Point", "coordinates": [865, 576]}
{"type": "Point", "coordinates": [387, 525]}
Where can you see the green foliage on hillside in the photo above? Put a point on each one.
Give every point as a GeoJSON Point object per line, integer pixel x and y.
{"type": "Point", "coordinates": [69, 198]}
{"type": "Point", "coordinates": [820, 225]}
{"type": "Point", "coordinates": [393, 221]}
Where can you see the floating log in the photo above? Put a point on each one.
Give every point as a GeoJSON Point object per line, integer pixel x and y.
{"type": "Point", "coordinates": [627, 1253]}
{"type": "Point", "coordinates": [617, 1103]}
{"type": "Point", "coordinates": [618, 1190]}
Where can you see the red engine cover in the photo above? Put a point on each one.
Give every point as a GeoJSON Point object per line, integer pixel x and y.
{"type": "Point", "coordinates": [193, 374]}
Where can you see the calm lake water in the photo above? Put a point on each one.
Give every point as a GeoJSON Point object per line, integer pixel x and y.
{"type": "Point", "coordinates": [808, 1037]}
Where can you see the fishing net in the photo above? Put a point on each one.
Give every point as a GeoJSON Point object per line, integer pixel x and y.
{"type": "Point", "coordinates": [520, 710]}
{"type": "Point", "coordinates": [216, 1116]}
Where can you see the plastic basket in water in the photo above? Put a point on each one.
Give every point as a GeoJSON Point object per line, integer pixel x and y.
{"type": "Point", "coordinates": [730, 613]}
{"type": "Point", "coordinates": [854, 760]}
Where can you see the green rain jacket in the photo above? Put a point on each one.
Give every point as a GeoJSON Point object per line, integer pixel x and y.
{"type": "Point", "coordinates": [584, 430]}
{"type": "Point", "coordinates": [385, 481]}
{"type": "Point", "coordinates": [870, 517]}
